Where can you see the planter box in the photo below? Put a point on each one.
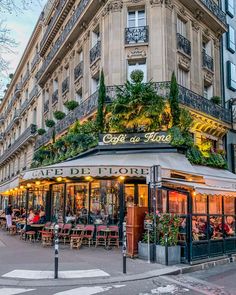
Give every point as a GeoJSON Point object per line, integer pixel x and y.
{"type": "Point", "coordinates": [143, 251]}
{"type": "Point", "coordinates": [173, 254]}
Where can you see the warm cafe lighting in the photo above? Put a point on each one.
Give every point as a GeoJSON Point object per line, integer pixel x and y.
{"type": "Point", "coordinates": [122, 178]}
{"type": "Point", "coordinates": [28, 184]}
{"type": "Point", "coordinates": [88, 178]}
{"type": "Point", "coordinates": [59, 179]}
{"type": "Point", "coordinates": [37, 182]}
{"type": "Point", "coordinates": [193, 193]}
{"type": "Point", "coordinates": [21, 187]}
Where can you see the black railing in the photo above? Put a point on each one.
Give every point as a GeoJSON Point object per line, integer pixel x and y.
{"type": "Point", "coordinates": [22, 139]}
{"type": "Point", "coordinates": [207, 61]}
{"type": "Point", "coordinates": [24, 106]}
{"type": "Point", "coordinates": [35, 61]}
{"type": "Point", "coordinates": [216, 10]}
{"type": "Point", "coordinates": [61, 39]}
{"type": "Point", "coordinates": [55, 97]}
{"type": "Point", "coordinates": [25, 77]}
{"type": "Point", "coordinates": [136, 35]}
{"type": "Point", "coordinates": [46, 106]}
{"type": "Point", "coordinates": [65, 85]}
{"type": "Point", "coordinates": [78, 71]}
{"type": "Point", "coordinates": [33, 93]}
{"type": "Point", "coordinates": [95, 52]}
{"type": "Point", "coordinates": [183, 44]}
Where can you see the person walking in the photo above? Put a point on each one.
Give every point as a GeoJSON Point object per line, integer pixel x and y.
{"type": "Point", "coordinates": [9, 215]}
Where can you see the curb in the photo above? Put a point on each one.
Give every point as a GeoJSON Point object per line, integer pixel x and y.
{"type": "Point", "coordinates": [171, 270]}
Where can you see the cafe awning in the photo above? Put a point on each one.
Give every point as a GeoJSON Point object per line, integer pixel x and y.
{"type": "Point", "coordinates": [113, 164]}
{"type": "Point", "coordinates": [6, 186]}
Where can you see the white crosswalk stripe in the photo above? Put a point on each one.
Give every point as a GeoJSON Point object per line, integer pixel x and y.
{"type": "Point", "coordinates": [13, 291]}
{"type": "Point", "coordinates": [88, 290]}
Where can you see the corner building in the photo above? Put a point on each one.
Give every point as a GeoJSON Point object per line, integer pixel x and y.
{"type": "Point", "coordinates": [71, 43]}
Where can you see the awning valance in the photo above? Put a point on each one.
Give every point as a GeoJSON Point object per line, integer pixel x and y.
{"type": "Point", "coordinates": [6, 186]}
{"type": "Point", "coordinates": [125, 164]}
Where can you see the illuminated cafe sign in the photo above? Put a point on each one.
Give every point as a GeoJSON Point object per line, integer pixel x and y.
{"type": "Point", "coordinates": [134, 138]}
{"type": "Point", "coordinates": [100, 171]}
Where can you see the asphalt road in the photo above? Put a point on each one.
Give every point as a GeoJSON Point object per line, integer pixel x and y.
{"type": "Point", "coordinates": [220, 280]}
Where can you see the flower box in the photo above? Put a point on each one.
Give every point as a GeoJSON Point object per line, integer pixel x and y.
{"type": "Point", "coordinates": [143, 251]}
{"type": "Point", "coordinates": [173, 254]}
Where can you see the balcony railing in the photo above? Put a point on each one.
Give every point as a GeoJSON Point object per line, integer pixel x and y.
{"type": "Point", "coordinates": [35, 61]}
{"type": "Point", "coordinates": [216, 10]}
{"type": "Point", "coordinates": [22, 139]}
{"type": "Point", "coordinates": [34, 92]}
{"type": "Point", "coordinates": [61, 39]}
{"type": "Point", "coordinates": [46, 106]}
{"type": "Point", "coordinates": [207, 61]}
{"type": "Point", "coordinates": [55, 97]}
{"type": "Point", "coordinates": [17, 89]}
{"type": "Point", "coordinates": [183, 44]}
{"type": "Point", "coordinates": [65, 85]}
{"type": "Point", "coordinates": [25, 77]}
{"type": "Point", "coordinates": [24, 106]}
{"type": "Point", "coordinates": [136, 35]}
{"type": "Point", "coordinates": [78, 71]}
{"type": "Point", "coordinates": [95, 52]}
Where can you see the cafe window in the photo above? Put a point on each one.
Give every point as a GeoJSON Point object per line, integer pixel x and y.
{"type": "Point", "coordinates": [199, 228]}
{"type": "Point", "coordinates": [143, 195]}
{"type": "Point", "coordinates": [229, 227]}
{"type": "Point", "coordinates": [229, 205]}
{"type": "Point", "coordinates": [177, 203]}
{"type": "Point", "coordinates": [216, 228]}
{"type": "Point", "coordinates": [58, 202]}
{"type": "Point", "coordinates": [162, 201]}
{"type": "Point", "coordinates": [200, 204]}
{"type": "Point", "coordinates": [215, 204]}
{"type": "Point", "coordinates": [129, 195]}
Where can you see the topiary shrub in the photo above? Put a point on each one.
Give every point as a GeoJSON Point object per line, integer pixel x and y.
{"type": "Point", "coordinates": [41, 131]}
{"type": "Point", "coordinates": [71, 105]}
{"type": "Point", "coordinates": [58, 115]}
{"type": "Point", "coordinates": [49, 123]}
{"type": "Point", "coordinates": [216, 100]}
{"type": "Point", "coordinates": [137, 76]}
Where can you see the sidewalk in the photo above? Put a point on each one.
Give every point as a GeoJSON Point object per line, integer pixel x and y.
{"type": "Point", "coordinates": [16, 254]}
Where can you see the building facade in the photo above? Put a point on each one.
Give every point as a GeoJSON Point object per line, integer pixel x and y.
{"type": "Point", "coordinates": [229, 74]}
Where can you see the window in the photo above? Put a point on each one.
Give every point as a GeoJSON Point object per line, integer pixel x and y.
{"type": "Point", "coordinates": [177, 203]}
{"type": "Point", "coordinates": [208, 92]}
{"type": "Point", "coordinates": [95, 37]}
{"type": "Point", "coordinates": [181, 27]}
{"type": "Point", "coordinates": [95, 83]}
{"type": "Point", "coordinates": [231, 76]}
{"type": "Point", "coordinates": [78, 96]}
{"type": "Point", "coordinates": [55, 85]}
{"type": "Point", "coordinates": [231, 39]}
{"type": "Point", "coordinates": [137, 65]}
{"type": "Point", "coordinates": [215, 204]}
{"type": "Point", "coordinates": [81, 56]}
{"type": "Point", "coordinates": [200, 204]}
{"type": "Point", "coordinates": [35, 116]}
{"type": "Point", "coordinates": [206, 46]}
{"type": "Point", "coordinates": [26, 94]}
{"type": "Point", "coordinates": [136, 18]}
{"type": "Point", "coordinates": [182, 77]}
{"type": "Point", "coordinates": [230, 7]}
{"type": "Point", "coordinates": [25, 159]}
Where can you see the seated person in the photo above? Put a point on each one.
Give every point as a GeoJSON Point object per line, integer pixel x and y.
{"type": "Point", "coordinates": [42, 219]}
{"type": "Point", "coordinates": [36, 218]}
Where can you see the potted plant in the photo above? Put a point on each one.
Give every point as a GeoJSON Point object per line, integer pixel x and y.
{"type": "Point", "coordinates": [167, 232]}
{"type": "Point", "coordinates": [58, 115]}
{"type": "Point", "coordinates": [49, 123]}
{"type": "Point", "coordinates": [71, 105]}
{"type": "Point", "coordinates": [143, 251]}
{"type": "Point", "coordinates": [216, 100]}
{"type": "Point", "coordinates": [41, 131]}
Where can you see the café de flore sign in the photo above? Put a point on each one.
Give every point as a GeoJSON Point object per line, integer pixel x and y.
{"type": "Point", "coordinates": [135, 138]}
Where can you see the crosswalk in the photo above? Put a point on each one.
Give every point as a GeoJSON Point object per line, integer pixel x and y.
{"type": "Point", "coordinates": [13, 291]}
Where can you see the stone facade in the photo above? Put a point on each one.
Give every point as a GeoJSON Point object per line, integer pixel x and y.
{"type": "Point", "coordinates": [73, 40]}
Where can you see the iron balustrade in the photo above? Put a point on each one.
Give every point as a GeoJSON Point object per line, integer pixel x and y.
{"type": "Point", "coordinates": [25, 77]}
{"type": "Point", "coordinates": [34, 92]}
{"type": "Point", "coordinates": [216, 10]}
{"type": "Point", "coordinates": [78, 71]}
{"type": "Point", "coordinates": [55, 97]}
{"type": "Point", "coordinates": [65, 85]}
{"type": "Point", "coordinates": [183, 44]}
{"type": "Point", "coordinates": [95, 52]}
{"type": "Point", "coordinates": [35, 61]}
{"type": "Point", "coordinates": [46, 106]}
{"type": "Point", "coordinates": [61, 39]}
{"type": "Point", "coordinates": [136, 35]}
{"type": "Point", "coordinates": [207, 61]}
{"type": "Point", "coordinates": [28, 134]}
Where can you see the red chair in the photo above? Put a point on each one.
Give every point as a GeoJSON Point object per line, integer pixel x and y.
{"type": "Point", "coordinates": [65, 232]}
{"type": "Point", "coordinates": [47, 238]}
{"type": "Point", "coordinates": [101, 235]}
{"type": "Point", "coordinates": [88, 235]}
{"type": "Point", "coordinates": [113, 237]}
{"type": "Point", "coordinates": [76, 237]}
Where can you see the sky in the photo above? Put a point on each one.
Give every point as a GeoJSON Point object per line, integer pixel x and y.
{"type": "Point", "coordinates": [21, 26]}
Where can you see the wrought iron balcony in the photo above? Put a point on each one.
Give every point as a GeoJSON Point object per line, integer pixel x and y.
{"type": "Point", "coordinates": [207, 61]}
{"type": "Point", "coordinates": [95, 52]}
{"type": "Point", "coordinates": [65, 85]}
{"type": "Point", "coordinates": [25, 77]}
{"type": "Point", "coordinates": [16, 116]}
{"type": "Point", "coordinates": [34, 92]}
{"type": "Point", "coordinates": [78, 71]}
{"type": "Point", "coordinates": [35, 61]}
{"type": "Point", "coordinates": [61, 39]}
{"type": "Point", "coordinates": [183, 44]}
{"type": "Point", "coordinates": [55, 97]}
{"type": "Point", "coordinates": [17, 90]}
{"type": "Point", "coordinates": [26, 136]}
{"type": "Point", "coordinates": [24, 106]}
{"type": "Point", "coordinates": [216, 10]}
{"type": "Point", "coordinates": [46, 106]}
{"type": "Point", "coordinates": [136, 35]}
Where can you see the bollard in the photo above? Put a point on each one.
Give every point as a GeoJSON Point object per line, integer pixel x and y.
{"type": "Point", "coordinates": [56, 244]}
{"type": "Point", "coordinates": [166, 248]}
{"type": "Point", "coordinates": [124, 247]}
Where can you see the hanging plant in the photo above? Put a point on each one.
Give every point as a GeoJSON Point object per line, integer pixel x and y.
{"type": "Point", "coordinates": [58, 115]}
{"type": "Point", "coordinates": [71, 105]}
{"type": "Point", "coordinates": [49, 123]}
{"type": "Point", "coordinates": [41, 131]}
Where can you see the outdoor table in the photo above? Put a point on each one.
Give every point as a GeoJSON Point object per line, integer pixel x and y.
{"type": "Point", "coordinates": [36, 227]}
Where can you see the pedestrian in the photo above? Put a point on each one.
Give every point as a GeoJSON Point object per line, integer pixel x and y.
{"type": "Point", "coordinates": [8, 213]}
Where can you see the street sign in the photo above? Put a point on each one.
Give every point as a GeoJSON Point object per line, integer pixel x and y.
{"type": "Point", "coordinates": [148, 225]}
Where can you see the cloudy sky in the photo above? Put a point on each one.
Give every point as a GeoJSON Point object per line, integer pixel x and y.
{"type": "Point", "coordinates": [21, 26]}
